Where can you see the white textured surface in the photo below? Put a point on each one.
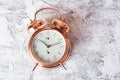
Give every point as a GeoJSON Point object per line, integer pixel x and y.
{"type": "Point", "coordinates": [95, 36]}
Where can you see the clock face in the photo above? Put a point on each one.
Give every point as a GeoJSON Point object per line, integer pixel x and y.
{"type": "Point", "coordinates": [49, 45]}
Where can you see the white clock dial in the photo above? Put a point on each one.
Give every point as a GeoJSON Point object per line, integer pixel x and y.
{"type": "Point", "coordinates": [49, 45]}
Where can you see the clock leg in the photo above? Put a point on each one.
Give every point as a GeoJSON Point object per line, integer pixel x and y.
{"type": "Point", "coordinates": [63, 66]}
{"type": "Point", "coordinates": [35, 67]}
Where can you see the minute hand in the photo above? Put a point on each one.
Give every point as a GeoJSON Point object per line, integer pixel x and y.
{"type": "Point", "coordinates": [53, 45]}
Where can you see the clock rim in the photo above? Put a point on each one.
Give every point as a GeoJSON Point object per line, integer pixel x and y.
{"type": "Point", "coordinates": [47, 64]}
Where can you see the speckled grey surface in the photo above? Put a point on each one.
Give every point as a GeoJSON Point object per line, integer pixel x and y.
{"type": "Point", "coordinates": [94, 32]}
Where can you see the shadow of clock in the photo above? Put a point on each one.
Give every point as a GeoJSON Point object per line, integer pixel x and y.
{"type": "Point", "coordinates": [31, 75]}
{"type": "Point", "coordinates": [75, 23]}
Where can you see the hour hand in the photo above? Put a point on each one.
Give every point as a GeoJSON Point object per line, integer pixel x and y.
{"type": "Point", "coordinates": [43, 42]}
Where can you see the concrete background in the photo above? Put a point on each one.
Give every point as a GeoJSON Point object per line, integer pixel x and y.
{"type": "Point", "coordinates": [94, 33]}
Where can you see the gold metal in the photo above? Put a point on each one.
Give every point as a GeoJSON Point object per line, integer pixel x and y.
{"type": "Point", "coordinates": [58, 13]}
{"type": "Point", "coordinates": [35, 24]}
{"type": "Point", "coordinates": [60, 24]}
{"type": "Point", "coordinates": [57, 25]}
{"type": "Point", "coordinates": [45, 64]}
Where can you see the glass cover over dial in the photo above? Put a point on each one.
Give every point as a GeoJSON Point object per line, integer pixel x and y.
{"type": "Point", "coordinates": [49, 45]}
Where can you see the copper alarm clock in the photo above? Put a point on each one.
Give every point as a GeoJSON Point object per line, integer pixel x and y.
{"type": "Point", "coordinates": [49, 45]}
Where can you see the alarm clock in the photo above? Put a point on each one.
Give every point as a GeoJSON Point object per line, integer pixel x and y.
{"type": "Point", "coordinates": [49, 45]}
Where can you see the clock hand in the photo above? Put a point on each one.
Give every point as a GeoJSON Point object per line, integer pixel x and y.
{"type": "Point", "coordinates": [53, 44]}
{"type": "Point", "coordinates": [44, 43]}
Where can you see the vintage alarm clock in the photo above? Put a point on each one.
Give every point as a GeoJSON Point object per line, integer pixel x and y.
{"type": "Point", "coordinates": [49, 45]}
